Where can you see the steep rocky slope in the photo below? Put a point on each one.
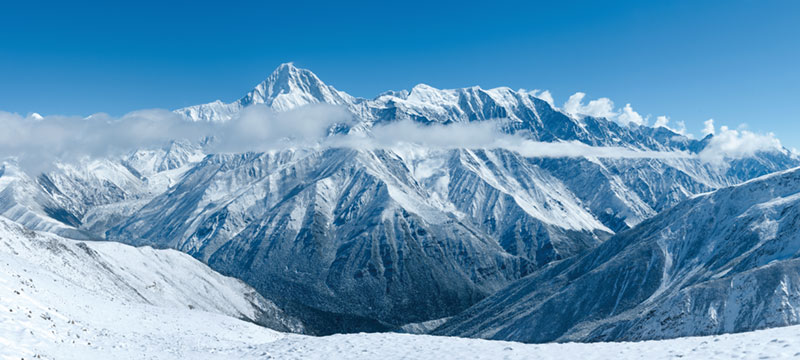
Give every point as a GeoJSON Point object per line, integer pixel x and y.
{"type": "Point", "coordinates": [725, 261]}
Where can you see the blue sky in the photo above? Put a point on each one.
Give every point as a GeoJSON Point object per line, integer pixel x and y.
{"type": "Point", "coordinates": [734, 61]}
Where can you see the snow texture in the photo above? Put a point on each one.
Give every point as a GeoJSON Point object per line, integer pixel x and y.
{"type": "Point", "coordinates": [47, 311]}
{"type": "Point", "coordinates": [721, 262]}
{"type": "Point", "coordinates": [88, 297]}
{"type": "Point", "coordinates": [64, 299]}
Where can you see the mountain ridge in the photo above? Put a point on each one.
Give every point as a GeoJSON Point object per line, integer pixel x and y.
{"type": "Point", "coordinates": [718, 262]}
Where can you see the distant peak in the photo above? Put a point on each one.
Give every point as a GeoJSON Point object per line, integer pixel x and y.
{"type": "Point", "coordinates": [287, 73]}
{"type": "Point", "coordinates": [423, 87]}
{"type": "Point", "coordinates": [285, 67]}
{"type": "Point", "coordinates": [289, 69]}
{"type": "Point", "coordinates": [289, 87]}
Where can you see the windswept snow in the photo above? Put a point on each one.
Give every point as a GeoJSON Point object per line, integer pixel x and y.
{"type": "Point", "coordinates": [63, 299]}
{"type": "Point", "coordinates": [73, 297]}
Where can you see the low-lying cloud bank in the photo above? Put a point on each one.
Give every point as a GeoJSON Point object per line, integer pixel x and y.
{"type": "Point", "coordinates": [36, 142]}
{"type": "Point", "coordinates": [484, 135]}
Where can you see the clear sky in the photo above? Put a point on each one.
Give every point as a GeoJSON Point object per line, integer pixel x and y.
{"type": "Point", "coordinates": [734, 61]}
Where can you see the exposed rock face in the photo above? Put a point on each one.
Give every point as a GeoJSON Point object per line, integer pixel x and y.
{"type": "Point", "coordinates": [721, 262]}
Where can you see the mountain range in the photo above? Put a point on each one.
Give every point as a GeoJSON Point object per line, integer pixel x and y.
{"type": "Point", "coordinates": [352, 239]}
{"type": "Point", "coordinates": [720, 262]}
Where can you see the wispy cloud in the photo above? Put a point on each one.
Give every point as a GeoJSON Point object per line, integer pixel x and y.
{"type": "Point", "coordinates": [37, 141]}
{"type": "Point", "coordinates": [602, 107]}
{"type": "Point", "coordinates": [708, 128]}
{"type": "Point", "coordinates": [664, 121]}
{"type": "Point", "coordinates": [483, 135]}
{"type": "Point", "coordinates": [544, 95]}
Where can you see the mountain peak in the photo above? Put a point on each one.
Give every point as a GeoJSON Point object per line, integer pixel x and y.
{"type": "Point", "coordinates": [287, 65]}
{"type": "Point", "coordinates": [287, 71]}
{"type": "Point", "coordinates": [286, 76]}
{"type": "Point", "coordinates": [289, 87]}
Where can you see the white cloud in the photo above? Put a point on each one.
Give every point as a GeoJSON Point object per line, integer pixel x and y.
{"type": "Point", "coordinates": [36, 141]}
{"type": "Point", "coordinates": [708, 128]}
{"type": "Point", "coordinates": [546, 96]}
{"type": "Point", "coordinates": [737, 144]}
{"type": "Point", "coordinates": [482, 135]}
{"type": "Point", "coordinates": [663, 121]}
{"type": "Point", "coordinates": [628, 116]}
{"type": "Point", "coordinates": [602, 107]}
{"type": "Point", "coordinates": [259, 128]}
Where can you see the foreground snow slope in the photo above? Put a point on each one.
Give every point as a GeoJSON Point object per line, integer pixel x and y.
{"type": "Point", "coordinates": [62, 299]}
{"type": "Point", "coordinates": [40, 323]}
{"type": "Point", "coordinates": [55, 291]}
{"type": "Point", "coordinates": [781, 343]}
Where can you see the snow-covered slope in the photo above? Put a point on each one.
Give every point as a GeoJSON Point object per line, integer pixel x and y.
{"type": "Point", "coordinates": [725, 261]}
{"type": "Point", "coordinates": [24, 200]}
{"type": "Point", "coordinates": [56, 292]}
{"type": "Point", "coordinates": [37, 323]}
{"type": "Point", "coordinates": [65, 299]}
{"type": "Point", "coordinates": [84, 198]}
{"type": "Point", "coordinates": [341, 231]}
{"type": "Point", "coordinates": [781, 343]}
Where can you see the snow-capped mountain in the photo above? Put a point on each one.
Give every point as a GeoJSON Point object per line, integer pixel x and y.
{"type": "Point", "coordinates": [286, 88]}
{"type": "Point", "coordinates": [83, 199]}
{"type": "Point", "coordinates": [23, 199]}
{"type": "Point", "coordinates": [720, 262]}
{"type": "Point", "coordinates": [366, 239]}
{"type": "Point", "coordinates": [636, 189]}
{"type": "Point", "coordinates": [352, 231]}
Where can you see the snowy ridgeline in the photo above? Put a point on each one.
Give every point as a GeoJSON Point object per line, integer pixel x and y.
{"type": "Point", "coordinates": [722, 262]}
{"type": "Point", "coordinates": [63, 299]}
